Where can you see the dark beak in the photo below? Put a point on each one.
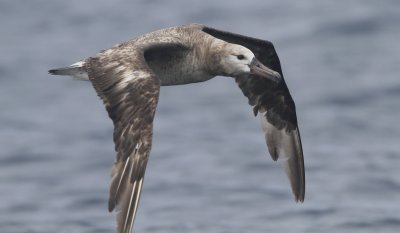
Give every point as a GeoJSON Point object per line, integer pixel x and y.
{"type": "Point", "coordinates": [257, 68]}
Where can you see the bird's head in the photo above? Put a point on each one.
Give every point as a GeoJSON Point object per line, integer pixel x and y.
{"type": "Point", "coordinates": [237, 60]}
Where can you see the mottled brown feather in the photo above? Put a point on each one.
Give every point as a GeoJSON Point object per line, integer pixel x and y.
{"type": "Point", "coordinates": [129, 90]}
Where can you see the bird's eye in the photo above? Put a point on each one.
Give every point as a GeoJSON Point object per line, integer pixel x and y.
{"type": "Point", "coordinates": [240, 57]}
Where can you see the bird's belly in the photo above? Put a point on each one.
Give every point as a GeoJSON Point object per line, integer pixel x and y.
{"type": "Point", "coordinates": [174, 78]}
{"type": "Point", "coordinates": [178, 73]}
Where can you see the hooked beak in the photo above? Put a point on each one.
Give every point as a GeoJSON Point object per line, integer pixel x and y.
{"type": "Point", "coordinates": [257, 68]}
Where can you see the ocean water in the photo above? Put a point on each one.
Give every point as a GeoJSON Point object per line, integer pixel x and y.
{"type": "Point", "coordinates": [209, 169]}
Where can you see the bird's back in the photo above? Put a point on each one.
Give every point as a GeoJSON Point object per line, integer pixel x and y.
{"type": "Point", "coordinates": [173, 54]}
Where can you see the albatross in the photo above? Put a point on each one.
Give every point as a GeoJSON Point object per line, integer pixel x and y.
{"type": "Point", "coordinates": [128, 76]}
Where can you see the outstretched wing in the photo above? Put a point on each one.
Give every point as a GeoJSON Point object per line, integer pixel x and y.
{"type": "Point", "coordinates": [130, 92]}
{"type": "Point", "coordinates": [275, 107]}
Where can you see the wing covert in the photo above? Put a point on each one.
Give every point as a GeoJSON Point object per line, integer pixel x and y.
{"type": "Point", "coordinates": [275, 107]}
{"type": "Point", "coordinates": [130, 92]}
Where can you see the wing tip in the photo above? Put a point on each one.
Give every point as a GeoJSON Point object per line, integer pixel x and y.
{"type": "Point", "coordinates": [301, 192]}
{"type": "Point", "coordinates": [299, 198]}
{"type": "Point", "coordinates": [298, 191]}
{"type": "Point", "coordinates": [111, 205]}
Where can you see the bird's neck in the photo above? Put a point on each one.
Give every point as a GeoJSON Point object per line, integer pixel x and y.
{"type": "Point", "coordinates": [212, 55]}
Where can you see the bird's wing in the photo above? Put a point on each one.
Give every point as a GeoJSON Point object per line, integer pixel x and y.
{"type": "Point", "coordinates": [275, 107]}
{"type": "Point", "coordinates": [129, 90]}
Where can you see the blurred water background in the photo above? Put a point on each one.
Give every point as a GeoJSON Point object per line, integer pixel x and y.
{"type": "Point", "coordinates": [209, 170]}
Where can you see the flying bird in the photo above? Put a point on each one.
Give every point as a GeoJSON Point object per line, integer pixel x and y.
{"type": "Point", "coordinates": [128, 76]}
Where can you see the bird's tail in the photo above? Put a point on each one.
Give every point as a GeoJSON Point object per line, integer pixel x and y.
{"type": "Point", "coordinates": [76, 70]}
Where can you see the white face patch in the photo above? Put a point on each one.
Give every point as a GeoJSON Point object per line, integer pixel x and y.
{"type": "Point", "coordinates": [237, 60]}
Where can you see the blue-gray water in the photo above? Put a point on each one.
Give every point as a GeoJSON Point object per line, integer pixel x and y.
{"type": "Point", "coordinates": [209, 170]}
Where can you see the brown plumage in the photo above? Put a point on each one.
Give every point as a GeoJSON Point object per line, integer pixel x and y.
{"type": "Point", "coordinates": [128, 76]}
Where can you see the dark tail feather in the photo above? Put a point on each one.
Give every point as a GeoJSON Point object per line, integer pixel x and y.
{"type": "Point", "coordinates": [76, 70]}
{"type": "Point", "coordinates": [64, 71]}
